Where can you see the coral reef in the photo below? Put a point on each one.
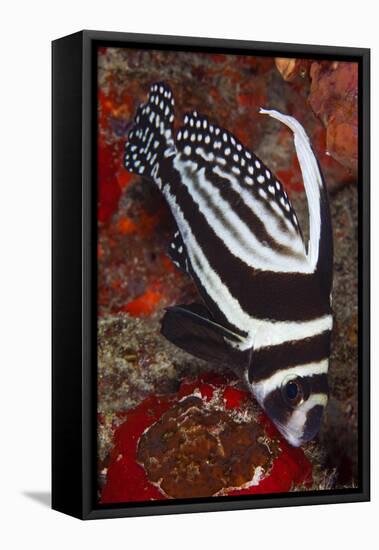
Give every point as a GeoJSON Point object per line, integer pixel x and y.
{"type": "Point", "coordinates": [208, 439]}
{"type": "Point", "coordinates": [138, 371]}
{"type": "Point", "coordinates": [333, 96]}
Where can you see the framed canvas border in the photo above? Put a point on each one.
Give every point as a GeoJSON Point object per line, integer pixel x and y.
{"type": "Point", "coordinates": [74, 272]}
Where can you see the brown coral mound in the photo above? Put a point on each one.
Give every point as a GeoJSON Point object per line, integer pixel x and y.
{"type": "Point", "coordinates": [195, 452]}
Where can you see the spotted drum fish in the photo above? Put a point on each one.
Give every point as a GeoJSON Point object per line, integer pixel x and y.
{"type": "Point", "coordinates": [266, 310]}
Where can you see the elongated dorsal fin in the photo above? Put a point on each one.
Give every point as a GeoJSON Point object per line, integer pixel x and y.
{"type": "Point", "coordinates": [312, 178]}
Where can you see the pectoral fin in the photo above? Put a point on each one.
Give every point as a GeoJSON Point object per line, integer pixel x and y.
{"type": "Point", "coordinates": [191, 328]}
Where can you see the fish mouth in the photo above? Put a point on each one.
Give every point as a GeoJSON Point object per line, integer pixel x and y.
{"type": "Point", "coordinates": [293, 439]}
{"type": "Point", "coordinates": [313, 423]}
{"type": "Point", "coordinates": [309, 430]}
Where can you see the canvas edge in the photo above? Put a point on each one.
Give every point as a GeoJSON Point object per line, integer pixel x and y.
{"type": "Point", "coordinates": [67, 362]}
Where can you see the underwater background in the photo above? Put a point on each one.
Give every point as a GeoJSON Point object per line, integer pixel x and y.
{"type": "Point", "coordinates": [171, 425]}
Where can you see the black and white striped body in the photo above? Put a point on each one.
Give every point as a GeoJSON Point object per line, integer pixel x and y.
{"type": "Point", "coordinates": [267, 306]}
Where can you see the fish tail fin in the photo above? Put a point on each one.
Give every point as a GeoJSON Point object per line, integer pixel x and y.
{"type": "Point", "coordinates": [151, 137]}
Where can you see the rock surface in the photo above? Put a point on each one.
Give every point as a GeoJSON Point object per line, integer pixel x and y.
{"type": "Point", "coordinates": [333, 96]}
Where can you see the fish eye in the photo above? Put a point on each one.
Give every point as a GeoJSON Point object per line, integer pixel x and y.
{"type": "Point", "coordinates": [294, 391]}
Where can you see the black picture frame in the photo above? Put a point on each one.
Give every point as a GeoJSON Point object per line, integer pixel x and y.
{"type": "Point", "coordinates": [74, 274]}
